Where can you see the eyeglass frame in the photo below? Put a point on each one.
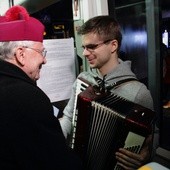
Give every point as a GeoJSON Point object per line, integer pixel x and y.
{"type": "Point", "coordinates": [95, 46]}
{"type": "Point", "coordinates": [43, 53]}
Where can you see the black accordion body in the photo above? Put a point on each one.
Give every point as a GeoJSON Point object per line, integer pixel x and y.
{"type": "Point", "coordinates": [103, 123]}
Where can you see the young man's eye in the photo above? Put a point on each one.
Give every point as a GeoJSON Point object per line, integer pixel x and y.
{"type": "Point", "coordinates": [91, 46]}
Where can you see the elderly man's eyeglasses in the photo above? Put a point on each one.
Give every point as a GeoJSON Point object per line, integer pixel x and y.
{"type": "Point", "coordinates": [92, 47]}
{"type": "Point", "coordinates": [43, 53]}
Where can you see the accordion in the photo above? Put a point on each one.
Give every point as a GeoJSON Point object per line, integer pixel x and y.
{"type": "Point", "coordinates": [104, 122]}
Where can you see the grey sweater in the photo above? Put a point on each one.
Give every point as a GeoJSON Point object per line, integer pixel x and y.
{"type": "Point", "coordinates": [134, 91]}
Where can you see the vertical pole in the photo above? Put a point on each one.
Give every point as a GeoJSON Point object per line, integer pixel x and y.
{"type": "Point", "coordinates": [111, 7]}
{"type": "Point", "coordinates": [11, 3]}
{"type": "Point", "coordinates": [154, 57]}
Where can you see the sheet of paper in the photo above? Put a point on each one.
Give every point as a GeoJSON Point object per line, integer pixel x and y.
{"type": "Point", "coordinates": [58, 74]}
{"type": "Point", "coordinates": [56, 111]}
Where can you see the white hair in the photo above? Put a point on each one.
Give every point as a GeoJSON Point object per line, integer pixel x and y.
{"type": "Point", "coordinates": [7, 49]}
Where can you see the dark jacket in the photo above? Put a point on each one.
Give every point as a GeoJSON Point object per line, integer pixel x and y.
{"type": "Point", "coordinates": [30, 135]}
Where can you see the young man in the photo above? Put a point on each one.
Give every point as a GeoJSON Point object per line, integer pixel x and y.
{"type": "Point", "coordinates": [30, 136]}
{"type": "Point", "coordinates": [101, 40]}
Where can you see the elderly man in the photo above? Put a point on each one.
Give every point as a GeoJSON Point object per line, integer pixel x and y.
{"type": "Point", "coordinates": [30, 136]}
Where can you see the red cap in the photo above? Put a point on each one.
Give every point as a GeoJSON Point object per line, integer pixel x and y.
{"type": "Point", "coordinates": [17, 25]}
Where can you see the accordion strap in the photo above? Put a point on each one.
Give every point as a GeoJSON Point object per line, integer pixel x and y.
{"type": "Point", "coordinates": [120, 82]}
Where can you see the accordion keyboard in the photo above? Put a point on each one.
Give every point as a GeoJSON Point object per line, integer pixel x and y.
{"type": "Point", "coordinates": [80, 86]}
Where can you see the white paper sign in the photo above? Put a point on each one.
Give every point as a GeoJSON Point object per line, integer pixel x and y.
{"type": "Point", "coordinates": [58, 74]}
